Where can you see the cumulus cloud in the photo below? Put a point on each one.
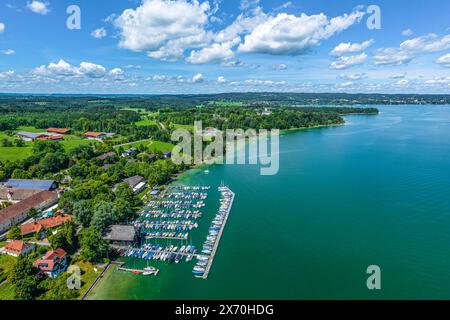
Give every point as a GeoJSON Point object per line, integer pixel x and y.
{"type": "Point", "coordinates": [162, 28]}
{"type": "Point", "coordinates": [7, 74]}
{"type": "Point", "coordinates": [392, 56]}
{"type": "Point", "coordinates": [347, 62]}
{"type": "Point", "coordinates": [221, 79]}
{"type": "Point", "coordinates": [7, 52]}
{"type": "Point", "coordinates": [2, 27]}
{"type": "Point", "coordinates": [39, 7]}
{"type": "Point", "coordinates": [444, 60]}
{"type": "Point", "coordinates": [408, 49]}
{"type": "Point", "coordinates": [215, 53]}
{"type": "Point", "coordinates": [344, 85]}
{"type": "Point", "coordinates": [288, 34]}
{"type": "Point", "coordinates": [346, 48]}
{"type": "Point", "coordinates": [402, 83]}
{"type": "Point", "coordinates": [99, 33]}
{"type": "Point", "coordinates": [427, 43]}
{"type": "Point", "coordinates": [65, 69]}
{"type": "Point", "coordinates": [197, 78]}
{"type": "Point", "coordinates": [407, 32]}
{"type": "Point", "coordinates": [439, 81]}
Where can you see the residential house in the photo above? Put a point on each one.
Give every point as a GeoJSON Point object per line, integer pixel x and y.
{"type": "Point", "coordinates": [167, 154]}
{"type": "Point", "coordinates": [17, 213]}
{"type": "Point", "coordinates": [44, 224]}
{"type": "Point", "coordinates": [129, 152]}
{"type": "Point", "coordinates": [18, 248]}
{"type": "Point", "coordinates": [106, 156]}
{"type": "Point", "coordinates": [137, 183]}
{"type": "Point", "coordinates": [121, 236]}
{"type": "Point", "coordinates": [53, 263]}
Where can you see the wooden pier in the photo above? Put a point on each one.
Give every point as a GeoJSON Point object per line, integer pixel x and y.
{"type": "Point", "coordinates": [219, 235]}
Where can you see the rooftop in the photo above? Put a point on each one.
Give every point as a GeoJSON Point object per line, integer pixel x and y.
{"type": "Point", "coordinates": [134, 181]}
{"type": "Point", "coordinates": [30, 184]}
{"type": "Point", "coordinates": [22, 207]}
{"type": "Point", "coordinates": [16, 194]}
{"type": "Point", "coordinates": [120, 233]}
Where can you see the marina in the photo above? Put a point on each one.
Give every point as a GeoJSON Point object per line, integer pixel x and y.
{"type": "Point", "coordinates": [166, 224]}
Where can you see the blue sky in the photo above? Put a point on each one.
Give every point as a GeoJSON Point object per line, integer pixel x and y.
{"type": "Point", "coordinates": [183, 46]}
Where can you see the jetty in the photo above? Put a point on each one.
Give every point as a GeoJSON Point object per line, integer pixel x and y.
{"type": "Point", "coordinates": [225, 190]}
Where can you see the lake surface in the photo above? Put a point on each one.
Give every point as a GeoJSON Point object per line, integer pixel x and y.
{"type": "Point", "coordinates": [373, 192]}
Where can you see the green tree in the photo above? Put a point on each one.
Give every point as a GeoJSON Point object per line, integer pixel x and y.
{"type": "Point", "coordinates": [57, 289]}
{"type": "Point", "coordinates": [24, 280]}
{"type": "Point", "coordinates": [105, 213]}
{"type": "Point", "coordinates": [82, 213]}
{"type": "Point", "coordinates": [33, 213]}
{"type": "Point", "coordinates": [93, 247]}
{"type": "Point", "coordinates": [14, 233]}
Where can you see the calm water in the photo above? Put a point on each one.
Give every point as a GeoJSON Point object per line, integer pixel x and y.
{"type": "Point", "coordinates": [375, 191]}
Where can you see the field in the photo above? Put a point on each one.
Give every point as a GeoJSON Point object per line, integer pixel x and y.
{"type": "Point", "coordinates": [21, 153]}
{"type": "Point", "coordinates": [154, 146]}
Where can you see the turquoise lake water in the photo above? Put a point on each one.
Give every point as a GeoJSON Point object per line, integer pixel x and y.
{"type": "Point", "coordinates": [375, 191]}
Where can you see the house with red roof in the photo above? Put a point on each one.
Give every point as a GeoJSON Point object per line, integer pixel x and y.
{"type": "Point", "coordinates": [59, 130]}
{"type": "Point", "coordinates": [18, 248]}
{"type": "Point", "coordinates": [44, 224]}
{"type": "Point", "coordinates": [53, 263]}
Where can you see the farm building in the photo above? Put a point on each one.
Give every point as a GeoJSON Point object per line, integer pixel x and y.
{"type": "Point", "coordinates": [48, 185]}
{"type": "Point", "coordinates": [58, 130]}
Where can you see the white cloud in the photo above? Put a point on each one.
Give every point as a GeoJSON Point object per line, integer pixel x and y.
{"type": "Point", "coordinates": [99, 33]}
{"type": "Point", "coordinates": [64, 69]}
{"type": "Point", "coordinates": [402, 83]}
{"type": "Point", "coordinates": [398, 76]}
{"type": "Point", "coordinates": [353, 77]}
{"type": "Point", "coordinates": [408, 49]}
{"type": "Point", "coordinates": [164, 28]}
{"type": "Point", "coordinates": [280, 67]}
{"type": "Point", "coordinates": [116, 72]}
{"type": "Point", "coordinates": [345, 85]}
{"type": "Point", "coordinates": [428, 43]}
{"type": "Point", "coordinates": [292, 35]}
{"type": "Point", "coordinates": [346, 48]}
{"type": "Point", "coordinates": [439, 81]}
{"type": "Point", "coordinates": [2, 27]}
{"type": "Point", "coordinates": [215, 53]}
{"type": "Point", "coordinates": [347, 62]}
{"type": "Point", "coordinates": [444, 60]}
{"type": "Point", "coordinates": [221, 79]}
{"type": "Point", "coordinates": [39, 7]}
{"type": "Point", "coordinates": [7, 52]}
{"type": "Point", "coordinates": [6, 74]}
{"type": "Point", "coordinates": [392, 56]}
{"type": "Point", "coordinates": [197, 78]}
{"type": "Point", "coordinates": [258, 82]}
{"type": "Point", "coordinates": [407, 32]}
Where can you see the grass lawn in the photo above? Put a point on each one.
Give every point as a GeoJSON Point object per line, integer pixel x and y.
{"type": "Point", "coordinates": [88, 275]}
{"type": "Point", "coordinates": [146, 122]}
{"type": "Point", "coordinates": [6, 291]}
{"type": "Point", "coordinates": [6, 265]}
{"type": "Point", "coordinates": [30, 129]}
{"type": "Point", "coordinates": [153, 145]}
{"type": "Point", "coordinates": [14, 153]}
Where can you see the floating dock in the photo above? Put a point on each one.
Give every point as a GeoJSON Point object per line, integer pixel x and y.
{"type": "Point", "coordinates": [219, 235]}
